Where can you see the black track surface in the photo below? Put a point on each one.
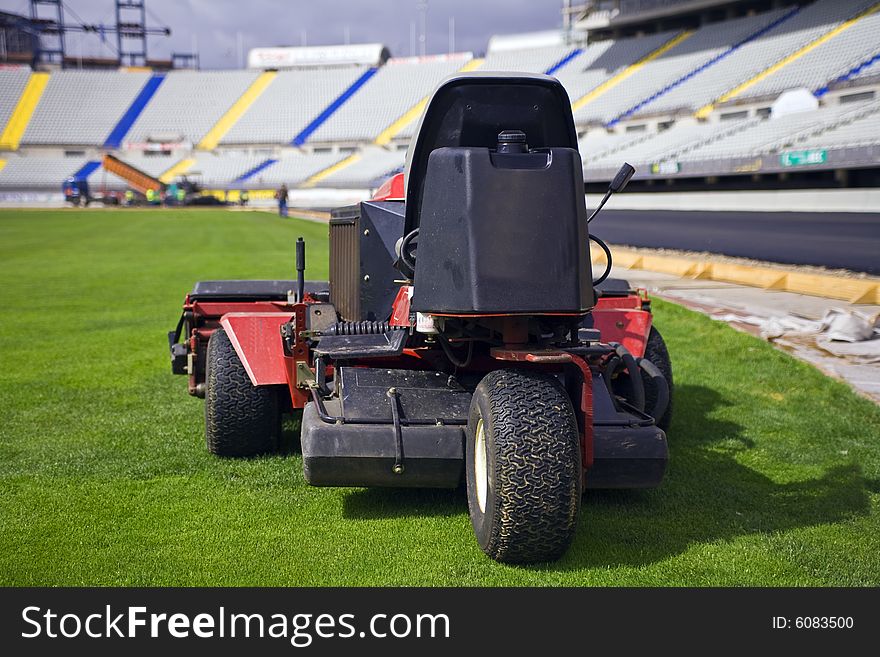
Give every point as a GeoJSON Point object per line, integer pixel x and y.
{"type": "Point", "coordinates": [835, 240]}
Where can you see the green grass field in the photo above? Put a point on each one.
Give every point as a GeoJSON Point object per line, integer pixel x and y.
{"type": "Point", "coordinates": [105, 480]}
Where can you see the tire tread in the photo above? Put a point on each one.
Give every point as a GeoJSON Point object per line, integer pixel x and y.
{"type": "Point", "coordinates": [240, 419]}
{"type": "Point", "coordinates": [537, 467]}
{"type": "Point", "coordinates": [657, 353]}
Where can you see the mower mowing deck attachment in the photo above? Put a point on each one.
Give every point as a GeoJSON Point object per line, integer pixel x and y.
{"type": "Point", "coordinates": [461, 334]}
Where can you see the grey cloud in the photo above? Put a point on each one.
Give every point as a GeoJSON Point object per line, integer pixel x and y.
{"type": "Point", "coordinates": [216, 23]}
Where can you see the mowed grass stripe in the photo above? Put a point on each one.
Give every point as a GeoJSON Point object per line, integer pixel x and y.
{"type": "Point", "coordinates": [104, 478]}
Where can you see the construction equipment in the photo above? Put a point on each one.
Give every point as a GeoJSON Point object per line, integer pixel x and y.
{"type": "Point", "coordinates": [136, 179]}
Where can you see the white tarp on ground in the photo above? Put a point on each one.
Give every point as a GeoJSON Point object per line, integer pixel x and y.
{"type": "Point", "coordinates": [845, 333]}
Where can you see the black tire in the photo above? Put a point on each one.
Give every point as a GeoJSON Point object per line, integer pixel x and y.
{"type": "Point", "coordinates": [240, 419]}
{"type": "Point", "coordinates": [656, 352]}
{"type": "Point", "coordinates": [532, 490]}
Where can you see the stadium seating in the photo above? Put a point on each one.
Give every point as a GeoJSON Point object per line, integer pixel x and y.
{"type": "Point", "coordinates": [189, 103]}
{"type": "Point", "coordinates": [397, 86]}
{"type": "Point", "coordinates": [669, 144]}
{"type": "Point", "coordinates": [370, 170]}
{"type": "Point", "coordinates": [860, 127]}
{"type": "Point", "coordinates": [80, 108]}
{"type": "Point", "coordinates": [596, 143]}
{"type": "Point", "coordinates": [839, 126]}
{"type": "Point", "coordinates": [12, 83]}
{"type": "Point", "coordinates": [289, 104]}
{"type": "Point", "coordinates": [603, 60]}
{"type": "Point", "coordinates": [528, 60]}
{"type": "Point", "coordinates": [744, 57]}
{"type": "Point", "coordinates": [296, 168]}
{"type": "Point", "coordinates": [685, 59]}
{"type": "Point", "coordinates": [151, 164]}
{"type": "Point", "coordinates": [827, 60]}
{"type": "Point", "coordinates": [38, 171]}
{"type": "Point", "coordinates": [871, 69]}
{"type": "Point", "coordinates": [221, 170]}
{"type": "Point", "coordinates": [772, 134]}
{"type": "Point", "coordinates": [788, 31]}
{"type": "Point", "coordinates": [635, 98]}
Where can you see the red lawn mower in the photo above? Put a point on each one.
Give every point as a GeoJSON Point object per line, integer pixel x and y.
{"type": "Point", "coordinates": [461, 336]}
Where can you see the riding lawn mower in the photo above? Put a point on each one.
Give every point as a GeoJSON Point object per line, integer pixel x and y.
{"type": "Point", "coordinates": [461, 338]}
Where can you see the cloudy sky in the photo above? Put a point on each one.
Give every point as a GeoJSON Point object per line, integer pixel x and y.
{"type": "Point", "coordinates": [213, 26]}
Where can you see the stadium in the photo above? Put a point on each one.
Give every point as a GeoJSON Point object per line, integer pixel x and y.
{"type": "Point", "coordinates": [711, 95]}
{"type": "Point", "coordinates": [748, 234]}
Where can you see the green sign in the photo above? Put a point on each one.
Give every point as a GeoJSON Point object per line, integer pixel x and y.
{"type": "Point", "coordinates": [802, 158]}
{"type": "Point", "coordinates": [665, 168]}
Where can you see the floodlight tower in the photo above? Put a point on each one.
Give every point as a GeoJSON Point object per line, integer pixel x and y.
{"type": "Point", "coordinates": [131, 32]}
{"type": "Point", "coordinates": [48, 15]}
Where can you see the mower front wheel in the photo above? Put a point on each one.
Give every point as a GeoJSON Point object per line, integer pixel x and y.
{"type": "Point", "coordinates": [523, 467]}
{"type": "Point", "coordinates": [656, 352]}
{"type": "Point", "coordinates": [241, 419]}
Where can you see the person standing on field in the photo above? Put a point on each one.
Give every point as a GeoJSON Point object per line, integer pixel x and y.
{"type": "Point", "coordinates": [281, 195]}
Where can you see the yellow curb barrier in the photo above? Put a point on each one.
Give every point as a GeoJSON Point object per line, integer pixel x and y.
{"type": "Point", "coordinates": [853, 290]}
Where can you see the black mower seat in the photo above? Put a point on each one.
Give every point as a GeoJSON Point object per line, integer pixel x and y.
{"type": "Point", "coordinates": [613, 287]}
{"type": "Point", "coordinates": [256, 290]}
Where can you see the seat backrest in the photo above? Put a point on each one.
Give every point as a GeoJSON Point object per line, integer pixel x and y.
{"type": "Point", "coordinates": [471, 109]}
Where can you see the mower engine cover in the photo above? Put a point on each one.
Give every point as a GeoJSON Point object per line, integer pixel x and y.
{"type": "Point", "coordinates": [495, 187]}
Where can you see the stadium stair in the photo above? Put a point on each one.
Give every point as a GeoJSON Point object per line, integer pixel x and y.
{"type": "Point", "coordinates": [114, 139]}
{"type": "Point", "coordinates": [87, 170]}
{"type": "Point", "coordinates": [562, 62]}
{"type": "Point", "coordinates": [250, 173]}
{"type": "Point", "coordinates": [178, 169]}
{"type": "Point", "coordinates": [702, 67]}
{"type": "Point", "coordinates": [24, 110]}
{"type": "Point", "coordinates": [706, 110]}
{"type": "Point", "coordinates": [849, 75]}
{"type": "Point", "coordinates": [233, 114]}
{"type": "Point", "coordinates": [416, 110]}
{"type": "Point", "coordinates": [333, 168]}
{"type": "Point", "coordinates": [331, 109]}
{"type": "Point", "coordinates": [629, 71]}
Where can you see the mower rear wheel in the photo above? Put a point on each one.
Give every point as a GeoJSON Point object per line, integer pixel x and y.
{"type": "Point", "coordinates": [523, 467]}
{"type": "Point", "coordinates": [241, 419]}
{"type": "Point", "coordinates": [656, 352]}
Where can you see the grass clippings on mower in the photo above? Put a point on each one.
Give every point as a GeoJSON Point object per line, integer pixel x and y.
{"type": "Point", "coordinates": [774, 476]}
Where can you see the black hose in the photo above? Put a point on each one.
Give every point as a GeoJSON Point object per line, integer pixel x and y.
{"type": "Point", "coordinates": [404, 257]}
{"type": "Point", "coordinates": [610, 368]}
{"type": "Point", "coordinates": [607, 251]}
{"type": "Point", "coordinates": [662, 401]}
{"type": "Point", "coordinates": [635, 377]}
{"type": "Point", "coordinates": [447, 349]}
